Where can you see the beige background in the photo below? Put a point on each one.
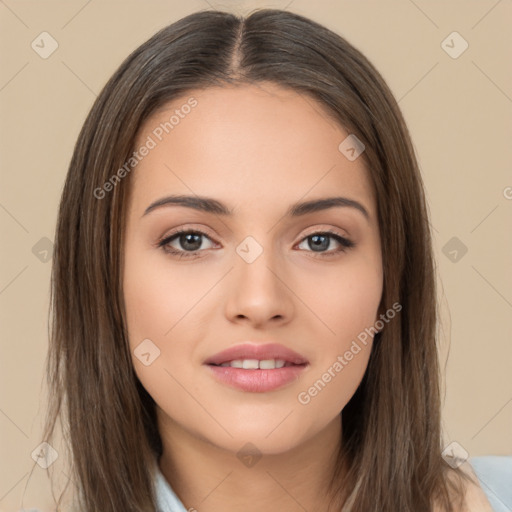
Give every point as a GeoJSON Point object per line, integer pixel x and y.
{"type": "Point", "coordinates": [459, 111]}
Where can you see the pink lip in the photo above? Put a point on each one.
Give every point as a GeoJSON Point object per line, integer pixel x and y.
{"type": "Point", "coordinates": [257, 381]}
{"type": "Point", "coordinates": [257, 351]}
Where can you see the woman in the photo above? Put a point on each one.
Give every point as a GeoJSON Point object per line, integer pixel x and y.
{"type": "Point", "coordinates": [287, 358]}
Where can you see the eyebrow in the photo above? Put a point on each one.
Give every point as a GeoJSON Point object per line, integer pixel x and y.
{"type": "Point", "coordinates": [210, 205]}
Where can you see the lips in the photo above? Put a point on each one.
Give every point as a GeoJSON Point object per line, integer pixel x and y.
{"type": "Point", "coordinates": [257, 368]}
{"type": "Point", "coordinates": [251, 351]}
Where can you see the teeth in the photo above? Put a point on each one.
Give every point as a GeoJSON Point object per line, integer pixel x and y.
{"type": "Point", "coordinates": [255, 364]}
{"type": "Point", "coordinates": [250, 364]}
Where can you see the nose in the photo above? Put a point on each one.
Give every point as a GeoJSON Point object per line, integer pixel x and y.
{"type": "Point", "coordinates": [260, 292]}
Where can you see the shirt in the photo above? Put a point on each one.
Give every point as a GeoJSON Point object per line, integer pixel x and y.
{"type": "Point", "coordinates": [494, 474]}
{"type": "Point", "coordinates": [167, 501]}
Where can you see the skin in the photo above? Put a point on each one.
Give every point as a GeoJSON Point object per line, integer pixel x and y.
{"type": "Point", "coordinates": [258, 149]}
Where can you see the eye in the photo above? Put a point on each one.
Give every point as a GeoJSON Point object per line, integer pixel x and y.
{"type": "Point", "coordinates": [322, 239]}
{"type": "Point", "coordinates": [188, 239]}
{"type": "Point", "coordinates": [191, 240]}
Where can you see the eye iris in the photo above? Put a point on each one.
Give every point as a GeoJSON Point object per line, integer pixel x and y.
{"type": "Point", "coordinates": [195, 244]}
{"type": "Point", "coordinates": [316, 244]}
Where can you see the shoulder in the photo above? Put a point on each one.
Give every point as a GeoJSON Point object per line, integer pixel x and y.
{"type": "Point", "coordinates": [476, 499]}
{"type": "Point", "coordinates": [495, 476]}
{"type": "Point", "coordinates": [488, 486]}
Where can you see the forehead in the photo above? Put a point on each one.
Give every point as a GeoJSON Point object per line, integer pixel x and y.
{"type": "Point", "coordinates": [246, 145]}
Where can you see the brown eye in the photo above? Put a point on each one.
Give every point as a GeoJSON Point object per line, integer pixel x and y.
{"type": "Point", "coordinates": [189, 242]}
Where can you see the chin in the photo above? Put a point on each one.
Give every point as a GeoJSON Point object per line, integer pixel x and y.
{"type": "Point", "coordinates": [269, 437]}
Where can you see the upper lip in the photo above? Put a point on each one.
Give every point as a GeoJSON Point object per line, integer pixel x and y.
{"type": "Point", "coordinates": [257, 351]}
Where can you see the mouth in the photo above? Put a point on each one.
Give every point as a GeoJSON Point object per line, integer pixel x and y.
{"type": "Point", "coordinates": [251, 356]}
{"type": "Point", "coordinates": [257, 364]}
{"type": "Point", "coordinates": [252, 376]}
{"type": "Point", "coordinates": [256, 368]}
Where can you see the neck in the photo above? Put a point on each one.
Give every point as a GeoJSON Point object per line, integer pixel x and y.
{"type": "Point", "coordinates": [211, 479]}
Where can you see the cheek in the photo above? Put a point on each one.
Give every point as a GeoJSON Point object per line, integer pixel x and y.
{"type": "Point", "coordinates": [153, 308]}
{"type": "Point", "coordinates": [156, 299]}
{"type": "Point", "coordinates": [156, 305]}
{"type": "Point", "coordinates": [348, 310]}
{"type": "Point", "coordinates": [147, 308]}
{"type": "Point", "coordinates": [343, 301]}
{"type": "Point", "coordinates": [342, 362]}
{"type": "Point", "coordinates": [328, 391]}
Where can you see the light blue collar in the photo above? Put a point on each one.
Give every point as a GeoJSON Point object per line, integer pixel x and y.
{"type": "Point", "coordinates": [494, 474]}
{"type": "Point", "coordinates": [166, 498]}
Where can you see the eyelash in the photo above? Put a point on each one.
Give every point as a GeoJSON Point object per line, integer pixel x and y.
{"type": "Point", "coordinates": [163, 243]}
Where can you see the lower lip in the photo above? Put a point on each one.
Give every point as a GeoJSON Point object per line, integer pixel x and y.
{"type": "Point", "coordinates": [257, 381]}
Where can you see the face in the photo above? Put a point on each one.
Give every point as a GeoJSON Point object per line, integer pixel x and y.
{"type": "Point", "coordinates": [309, 281]}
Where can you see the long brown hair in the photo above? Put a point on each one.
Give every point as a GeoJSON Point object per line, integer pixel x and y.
{"type": "Point", "coordinates": [391, 436]}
